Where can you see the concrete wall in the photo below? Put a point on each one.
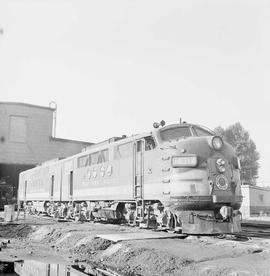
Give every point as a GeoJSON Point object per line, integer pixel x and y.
{"type": "Point", "coordinates": [256, 201]}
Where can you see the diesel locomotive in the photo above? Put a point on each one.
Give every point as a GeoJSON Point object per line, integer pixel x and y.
{"type": "Point", "coordinates": [180, 177]}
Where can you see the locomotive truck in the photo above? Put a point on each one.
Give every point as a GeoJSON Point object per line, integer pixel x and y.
{"type": "Point", "coordinates": [180, 176]}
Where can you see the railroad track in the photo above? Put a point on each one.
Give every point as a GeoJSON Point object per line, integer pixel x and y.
{"type": "Point", "coordinates": [255, 229]}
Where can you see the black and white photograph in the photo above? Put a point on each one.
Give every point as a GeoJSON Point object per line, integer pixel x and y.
{"type": "Point", "coordinates": [134, 138]}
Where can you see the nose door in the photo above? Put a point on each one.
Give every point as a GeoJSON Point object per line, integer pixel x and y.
{"type": "Point", "coordinates": [220, 175]}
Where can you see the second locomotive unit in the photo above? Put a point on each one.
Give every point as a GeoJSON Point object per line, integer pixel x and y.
{"type": "Point", "coordinates": [180, 176]}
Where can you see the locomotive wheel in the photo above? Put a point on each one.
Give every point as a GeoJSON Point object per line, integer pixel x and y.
{"type": "Point", "coordinates": [174, 224]}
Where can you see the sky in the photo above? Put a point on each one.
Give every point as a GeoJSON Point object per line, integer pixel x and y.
{"type": "Point", "coordinates": [115, 67]}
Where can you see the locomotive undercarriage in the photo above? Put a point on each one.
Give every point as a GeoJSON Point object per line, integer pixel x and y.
{"type": "Point", "coordinates": [146, 214]}
{"type": "Point", "coordinates": [149, 214]}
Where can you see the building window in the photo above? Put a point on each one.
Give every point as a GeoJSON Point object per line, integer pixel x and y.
{"type": "Point", "coordinates": [17, 128]}
{"type": "Point", "coordinates": [261, 197]}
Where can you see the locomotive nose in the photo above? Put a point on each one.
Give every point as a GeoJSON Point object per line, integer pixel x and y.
{"type": "Point", "coordinates": [222, 180]}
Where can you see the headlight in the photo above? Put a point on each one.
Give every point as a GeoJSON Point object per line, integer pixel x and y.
{"type": "Point", "coordinates": [217, 142]}
{"type": "Point", "coordinates": [221, 165]}
{"type": "Point", "coordinates": [184, 161]}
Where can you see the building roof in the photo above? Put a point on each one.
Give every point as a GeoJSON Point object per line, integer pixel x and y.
{"type": "Point", "coordinates": [28, 105]}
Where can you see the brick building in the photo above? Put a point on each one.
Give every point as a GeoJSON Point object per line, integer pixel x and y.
{"type": "Point", "coordinates": [26, 140]}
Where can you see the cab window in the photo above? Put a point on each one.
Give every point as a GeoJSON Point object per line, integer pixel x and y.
{"type": "Point", "coordinates": [202, 132]}
{"type": "Point", "coordinates": [175, 133]}
{"type": "Point", "coordinates": [149, 143]}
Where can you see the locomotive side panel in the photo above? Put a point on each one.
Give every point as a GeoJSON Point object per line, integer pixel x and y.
{"type": "Point", "coordinates": [67, 180]}
{"type": "Point", "coordinates": [82, 177]}
{"type": "Point", "coordinates": [97, 176]}
{"type": "Point", "coordinates": [155, 171]}
{"type": "Point", "coordinates": [55, 180]}
{"type": "Point", "coordinates": [125, 160]}
{"type": "Point", "coordinates": [37, 187]}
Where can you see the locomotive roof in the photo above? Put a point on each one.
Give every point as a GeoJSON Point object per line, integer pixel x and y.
{"type": "Point", "coordinates": [116, 141]}
{"type": "Point", "coordinates": [119, 140]}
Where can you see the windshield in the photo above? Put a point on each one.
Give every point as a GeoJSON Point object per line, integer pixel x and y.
{"type": "Point", "coordinates": [175, 133]}
{"type": "Point", "coordinates": [202, 131]}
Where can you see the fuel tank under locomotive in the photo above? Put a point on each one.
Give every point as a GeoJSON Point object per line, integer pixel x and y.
{"type": "Point", "coordinates": [205, 186]}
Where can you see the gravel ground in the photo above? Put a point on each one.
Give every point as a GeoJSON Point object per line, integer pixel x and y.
{"type": "Point", "coordinates": [70, 242]}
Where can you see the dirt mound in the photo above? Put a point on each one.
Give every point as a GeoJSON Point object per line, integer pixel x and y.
{"type": "Point", "coordinates": [41, 233]}
{"type": "Point", "coordinates": [15, 231]}
{"type": "Point", "coordinates": [91, 247]}
{"type": "Point", "coordinates": [145, 261]}
{"type": "Point", "coordinates": [98, 244]}
{"type": "Point", "coordinates": [76, 242]}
